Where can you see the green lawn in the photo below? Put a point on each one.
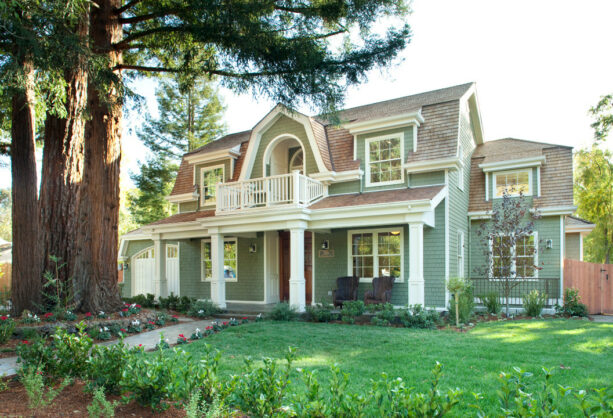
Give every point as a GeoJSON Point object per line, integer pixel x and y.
{"type": "Point", "coordinates": [581, 352]}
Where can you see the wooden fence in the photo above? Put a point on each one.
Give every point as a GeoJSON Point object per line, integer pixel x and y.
{"type": "Point", "coordinates": [594, 282]}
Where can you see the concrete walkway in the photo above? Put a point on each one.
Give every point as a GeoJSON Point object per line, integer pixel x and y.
{"type": "Point", "coordinates": [602, 318]}
{"type": "Point", "coordinates": [149, 339]}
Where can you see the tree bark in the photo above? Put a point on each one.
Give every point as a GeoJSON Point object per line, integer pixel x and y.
{"type": "Point", "coordinates": [26, 274]}
{"type": "Point", "coordinates": [96, 259]}
{"type": "Point", "coordinates": [63, 171]}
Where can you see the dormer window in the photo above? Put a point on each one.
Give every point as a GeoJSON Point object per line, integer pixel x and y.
{"type": "Point", "coordinates": [211, 176]}
{"type": "Point", "coordinates": [297, 162]}
{"type": "Point", "coordinates": [513, 182]}
{"type": "Point", "coordinates": [384, 160]}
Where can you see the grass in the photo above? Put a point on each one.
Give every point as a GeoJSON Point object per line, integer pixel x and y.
{"type": "Point", "coordinates": [579, 351]}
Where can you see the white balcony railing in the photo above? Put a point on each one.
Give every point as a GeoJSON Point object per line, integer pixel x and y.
{"type": "Point", "coordinates": [292, 189]}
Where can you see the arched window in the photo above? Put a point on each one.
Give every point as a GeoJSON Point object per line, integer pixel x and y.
{"type": "Point", "coordinates": [297, 162]}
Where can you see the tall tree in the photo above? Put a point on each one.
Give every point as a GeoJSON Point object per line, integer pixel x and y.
{"type": "Point", "coordinates": [282, 49]}
{"type": "Point", "coordinates": [594, 198]}
{"type": "Point", "coordinates": [190, 115]}
{"type": "Point", "coordinates": [154, 182]}
{"type": "Point", "coordinates": [603, 117]}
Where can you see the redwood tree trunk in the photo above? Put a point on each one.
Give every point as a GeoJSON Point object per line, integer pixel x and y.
{"type": "Point", "coordinates": [26, 275]}
{"type": "Point", "coordinates": [63, 171]}
{"type": "Point", "coordinates": [96, 260]}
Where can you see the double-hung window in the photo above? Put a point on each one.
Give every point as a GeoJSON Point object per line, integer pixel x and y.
{"type": "Point", "coordinates": [384, 160]}
{"type": "Point", "coordinates": [376, 253]}
{"type": "Point", "coordinates": [514, 259]}
{"type": "Point", "coordinates": [513, 182]}
{"type": "Point", "coordinates": [211, 176]}
{"type": "Point", "coordinates": [230, 260]}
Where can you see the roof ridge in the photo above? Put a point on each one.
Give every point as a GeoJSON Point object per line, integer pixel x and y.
{"type": "Point", "coordinates": [221, 138]}
{"type": "Point", "coordinates": [527, 140]}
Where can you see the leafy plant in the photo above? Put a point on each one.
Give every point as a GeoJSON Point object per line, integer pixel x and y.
{"type": "Point", "coordinates": [321, 312]}
{"type": "Point", "coordinates": [7, 326]}
{"type": "Point", "coordinates": [198, 408]}
{"type": "Point", "coordinates": [70, 352]}
{"type": "Point", "coordinates": [100, 406]}
{"type": "Point", "coordinates": [416, 316]}
{"type": "Point", "coordinates": [283, 312]}
{"type": "Point", "coordinates": [351, 310]}
{"type": "Point", "coordinates": [572, 304]}
{"type": "Point", "coordinates": [57, 294]}
{"type": "Point", "coordinates": [464, 309]}
{"type": "Point", "coordinates": [39, 395]}
{"type": "Point", "coordinates": [106, 364]}
{"type": "Point", "coordinates": [534, 302]}
{"type": "Point", "coordinates": [34, 355]}
{"type": "Point", "coordinates": [491, 301]}
{"type": "Point", "coordinates": [457, 286]}
{"type": "Point", "coordinates": [28, 318]}
{"type": "Point", "coordinates": [385, 315]}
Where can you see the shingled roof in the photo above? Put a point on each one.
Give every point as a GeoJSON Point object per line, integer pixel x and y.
{"type": "Point", "coordinates": [556, 183]}
{"type": "Point", "coordinates": [437, 134]}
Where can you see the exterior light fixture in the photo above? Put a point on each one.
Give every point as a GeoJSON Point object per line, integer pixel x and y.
{"type": "Point", "coordinates": [549, 244]}
{"type": "Point", "coordinates": [325, 245]}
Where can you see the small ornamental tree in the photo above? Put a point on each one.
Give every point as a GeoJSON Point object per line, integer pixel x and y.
{"type": "Point", "coordinates": [508, 243]}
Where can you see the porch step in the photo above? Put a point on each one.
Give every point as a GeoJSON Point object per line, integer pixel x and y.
{"type": "Point", "coordinates": [238, 315]}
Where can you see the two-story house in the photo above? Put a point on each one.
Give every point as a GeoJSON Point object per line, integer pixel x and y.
{"type": "Point", "coordinates": [279, 212]}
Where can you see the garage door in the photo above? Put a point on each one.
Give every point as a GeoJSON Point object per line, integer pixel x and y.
{"type": "Point", "coordinates": [172, 268]}
{"type": "Point", "coordinates": [143, 271]}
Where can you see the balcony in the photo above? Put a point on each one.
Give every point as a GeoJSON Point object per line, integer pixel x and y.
{"type": "Point", "coordinates": [289, 190]}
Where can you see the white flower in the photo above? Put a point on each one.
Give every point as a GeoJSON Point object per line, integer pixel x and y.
{"type": "Point", "coordinates": [101, 313]}
{"type": "Point", "coordinates": [106, 329]}
{"type": "Point", "coordinates": [197, 330]}
{"type": "Point", "coordinates": [201, 311]}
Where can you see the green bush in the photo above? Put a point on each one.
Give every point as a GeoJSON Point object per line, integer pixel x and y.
{"type": "Point", "coordinates": [492, 304]}
{"type": "Point", "coordinates": [203, 309]}
{"type": "Point", "coordinates": [572, 304]}
{"type": "Point", "coordinates": [39, 395]}
{"type": "Point", "coordinates": [385, 315]}
{"type": "Point", "coordinates": [534, 302]}
{"type": "Point", "coordinates": [466, 305]}
{"type": "Point", "coordinates": [70, 352]}
{"type": "Point", "coordinates": [416, 316]}
{"type": "Point", "coordinates": [35, 355]}
{"type": "Point", "coordinates": [283, 312]}
{"type": "Point", "coordinates": [146, 301]}
{"type": "Point", "coordinates": [321, 312]}
{"type": "Point", "coordinates": [100, 406]}
{"type": "Point", "coordinates": [7, 326]}
{"type": "Point", "coordinates": [106, 364]}
{"type": "Point", "coordinates": [351, 310]}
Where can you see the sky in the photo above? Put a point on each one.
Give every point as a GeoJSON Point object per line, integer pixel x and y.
{"type": "Point", "coordinates": [539, 66]}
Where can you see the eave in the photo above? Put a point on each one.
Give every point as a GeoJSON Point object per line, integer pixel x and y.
{"type": "Point", "coordinates": [396, 121]}
{"type": "Point", "coordinates": [513, 164]}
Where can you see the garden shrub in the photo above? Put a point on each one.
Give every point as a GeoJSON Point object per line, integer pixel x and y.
{"type": "Point", "coordinates": [7, 326]}
{"type": "Point", "coordinates": [534, 302]}
{"type": "Point", "coordinates": [321, 312]}
{"type": "Point", "coordinates": [106, 364]}
{"type": "Point", "coordinates": [415, 316]}
{"type": "Point", "coordinates": [572, 304]}
{"type": "Point", "coordinates": [491, 301]}
{"type": "Point", "coordinates": [39, 395]}
{"type": "Point", "coordinates": [203, 309]}
{"type": "Point", "coordinates": [146, 301]}
{"type": "Point", "coordinates": [351, 310]}
{"type": "Point", "coordinates": [466, 305]}
{"type": "Point", "coordinates": [260, 391]}
{"type": "Point", "coordinates": [35, 355]}
{"type": "Point", "coordinates": [70, 352]}
{"type": "Point", "coordinates": [385, 315]}
{"type": "Point", "coordinates": [283, 312]}
{"type": "Point", "coordinates": [100, 406]}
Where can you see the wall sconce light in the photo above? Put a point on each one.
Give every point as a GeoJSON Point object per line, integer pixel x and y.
{"type": "Point", "coordinates": [195, 193]}
{"type": "Point", "coordinates": [252, 248]}
{"type": "Point", "coordinates": [549, 244]}
{"type": "Point", "coordinates": [126, 266]}
{"type": "Point", "coordinates": [325, 244]}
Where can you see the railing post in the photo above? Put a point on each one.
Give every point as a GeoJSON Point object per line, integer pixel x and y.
{"type": "Point", "coordinates": [296, 187]}
{"type": "Point", "coordinates": [267, 183]}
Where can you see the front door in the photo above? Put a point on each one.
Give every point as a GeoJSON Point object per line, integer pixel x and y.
{"type": "Point", "coordinates": [285, 265]}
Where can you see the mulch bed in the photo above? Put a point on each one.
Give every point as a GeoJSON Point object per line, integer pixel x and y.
{"type": "Point", "coordinates": [72, 401]}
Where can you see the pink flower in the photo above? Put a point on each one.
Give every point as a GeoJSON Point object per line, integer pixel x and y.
{"type": "Point", "coordinates": [140, 345]}
{"type": "Point", "coordinates": [122, 330]}
{"type": "Point", "coordinates": [88, 314]}
{"type": "Point", "coordinates": [151, 323]}
{"type": "Point", "coordinates": [125, 309]}
{"type": "Point", "coordinates": [138, 306]}
{"type": "Point", "coordinates": [48, 314]}
{"type": "Point", "coordinates": [244, 317]}
{"type": "Point", "coordinates": [181, 335]}
{"type": "Point", "coordinates": [175, 316]}
{"type": "Point", "coordinates": [225, 323]}
{"type": "Point", "coordinates": [25, 342]}
{"type": "Point", "coordinates": [4, 318]}
{"type": "Point", "coordinates": [209, 327]}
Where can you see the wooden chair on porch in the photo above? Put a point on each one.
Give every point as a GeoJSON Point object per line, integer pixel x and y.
{"type": "Point", "coordinates": [346, 290]}
{"type": "Point", "coordinates": [381, 290]}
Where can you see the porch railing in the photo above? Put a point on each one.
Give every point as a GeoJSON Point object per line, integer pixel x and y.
{"type": "Point", "coordinates": [482, 286]}
{"type": "Point", "coordinates": [286, 189]}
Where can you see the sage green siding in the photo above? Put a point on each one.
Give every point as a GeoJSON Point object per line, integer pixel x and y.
{"type": "Point", "coordinates": [344, 188]}
{"type": "Point", "coordinates": [190, 268]}
{"type": "Point", "coordinates": [227, 173]}
{"type": "Point", "coordinates": [188, 207]}
{"type": "Point", "coordinates": [133, 247]}
{"type": "Point", "coordinates": [426, 179]}
{"type": "Point", "coordinates": [572, 247]}
{"type": "Point", "coordinates": [548, 228]}
{"type": "Point", "coordinates": [361, 152]}
{"type": "Point", "coordinates": [434, 260]}
{"type": "Point", "coordinates": [250, 284]}
{"type": "Point", "coordinates": [283, 125]}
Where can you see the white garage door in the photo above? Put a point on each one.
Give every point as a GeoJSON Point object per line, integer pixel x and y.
{"type": "Point", "coordinates": [143, 272]}
{"type": "Point", "coordinates": [172, 268]}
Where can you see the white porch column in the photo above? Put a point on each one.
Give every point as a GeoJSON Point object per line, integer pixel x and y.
{"type": "Point", "coordinates": [416, 264]}
{"type": "Point", "coordinates": [297, 283]}
{"type": "Point", "coordinates": [160, 281]}
{"type": "Point", "coordinates": [218, 282]}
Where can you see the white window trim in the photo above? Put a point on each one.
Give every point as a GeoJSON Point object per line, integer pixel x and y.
{"type": "Point", "coordinates": [494, 182]}
{"type": "Point", "coordinates": [400, 137]}
{"type": "Point", "coordinates": [202, 171]}
{"type": "Point", "coordinates": [513, 265]}
{"type": "Point", "coordinates": [209, 279]}
{"type": "Point", "coordinates": [375, 252]}
{"type": "Point", "coordinates": [303, 161]}
{"type": "Point", "coordinates": [460, 254]}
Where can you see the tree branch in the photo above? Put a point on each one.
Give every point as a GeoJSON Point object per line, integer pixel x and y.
{"type": "Point", "coordinates": [126, 6]}
{"type": "Point", "coordinates": [146, 68]}
{"type": "Point", "coordinates": [137, 19]}
{"type": "Point", "coordinates": [125, 43]}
